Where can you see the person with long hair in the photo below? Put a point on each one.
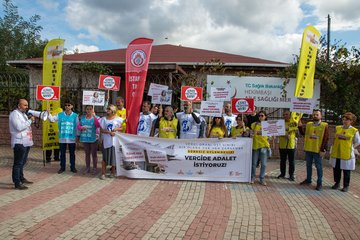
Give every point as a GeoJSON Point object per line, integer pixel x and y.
{"type": "Point", "coordinates": [240, 130]}
{"type": "Point", "coordinates": [218, 128]}
{"type": "Point", "coordinates": [342, 155]}
{"type": "Point", "coordinates": [88, 124]}
{"type": "Point", "coordinates": [261, 148]}
{"type": "Point", "coordinates": [109, 125]}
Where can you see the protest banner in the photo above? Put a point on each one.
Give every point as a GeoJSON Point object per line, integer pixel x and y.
{"type": "Point", "coordinates": [109, 82]}
{"type": "Point", "coordinates": [189, 93]}
{"type": "Point", "coordinates": [180, 159]}
{"type": "Point", "coordinates": [137, 61]}
{"type": "Point", "coordinates": [304, 87]}
{"type": "Point", "coordinates": [266, 91]}
{"type": "Point", "coordinates": [302, 105]}
{"type": "Point", "coordinates": [211, 108]}
{"type": "Point", "coordinates": [50, 93]}
{"type": "Point", "coordinates": [95, 98]}
{"type": "Point", "coordinates": [51, 76]}
{"type": "Point", "coordinates": [273, 128]}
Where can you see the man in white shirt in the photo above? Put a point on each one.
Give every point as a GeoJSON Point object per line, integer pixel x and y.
{"type": "Point", "coordinates": [229, 118]}
{"type": "Point", "coordinates": [189, 122]}
{"type": "Point", "coordinates": [21, 141]}
{"type": "Point", "coordinates": [146, 120]}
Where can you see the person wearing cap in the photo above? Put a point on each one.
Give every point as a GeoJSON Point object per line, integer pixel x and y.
{"type": "Point", "coordinates": [342, 156]}
{"type": "Point", "coordinates": [21, 141]}
{"type": "Point", "coordinates": [67, 123]}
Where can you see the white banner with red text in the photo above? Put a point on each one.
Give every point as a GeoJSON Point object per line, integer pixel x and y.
{"type": "Point", "coordinates": [226, 160]}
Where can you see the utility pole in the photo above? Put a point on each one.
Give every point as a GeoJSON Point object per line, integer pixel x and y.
{"type": "Point", "coordinates": [328, 38]}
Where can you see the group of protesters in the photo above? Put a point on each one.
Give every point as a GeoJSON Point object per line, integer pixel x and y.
{"type": "Point", "coordinates": [156, 121]}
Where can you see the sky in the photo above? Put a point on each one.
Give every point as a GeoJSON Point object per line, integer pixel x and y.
{"type": "Point", "coordinates": [264, 29]}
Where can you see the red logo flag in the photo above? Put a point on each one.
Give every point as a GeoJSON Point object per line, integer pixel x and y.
{"type": "Point", "coordinates": [109, 82]}
{"type": "Point", "coordinates": [137, 61]}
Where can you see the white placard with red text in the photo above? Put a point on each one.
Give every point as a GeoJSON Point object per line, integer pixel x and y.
{"type": "Point", "coordinates": [211, 108]}
{"type": "Point", "coordinates": [193, 94]}
{"type": "Point", "coordinates": [302, 105]}
{"type": "Point", "coordinates": [273, 128]}
{"type": "Point", "coordinates": [155, 88]}
{"type": "Point", "coordinates": [242, 105]}
{"type": "Point", "coordinates": [48, 93]}
{"type": "Point", "coordinates": [109, 82]}
{"type": "Point", "coordinates": [220, 94]}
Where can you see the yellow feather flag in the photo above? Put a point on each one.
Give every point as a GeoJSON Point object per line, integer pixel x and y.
{"type": "Point", "coordinates": [51, 76]}
{"type": "Point", "coordinates": [294, 120]}
{"type": "Point", "coordinates": [304, 87]}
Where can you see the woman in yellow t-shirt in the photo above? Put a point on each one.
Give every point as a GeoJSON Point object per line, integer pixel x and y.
{"type": "Point", "coordinates": [218, 128]}
{"type": "Point", "coordinates": [240, 130]}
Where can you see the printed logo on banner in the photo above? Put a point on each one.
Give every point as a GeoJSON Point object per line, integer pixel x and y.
{"type": "Point", "coordinates": [109, 82]}
{"type": "Point", "coordinates": [47, 93]}
{"type": "Point", "coordinates": [191, 93]}
{"type": "Point", "coordinates": [138, 58]}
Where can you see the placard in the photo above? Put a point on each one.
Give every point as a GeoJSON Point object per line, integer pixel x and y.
{"type": "Point", "coordinates": [95, 98]}
{"type": "Point", "coordinates": [273, 128]}
{"type": "Point", "coordinates": [154, 87]}
{"type": "Point", "coordinates": [211, 108]}
{"type": "Point", "coordinates": [162, 97]}
{"type": "Point", "coordinates": [302, 105]}
{"type": "Point", "coordinates": [220, 94]}
{"type": "Point", "coordinates": [193, 94]}
{"type": "Point", "coordinates": [48, 93]}
{"type": "Point", "coordinates": [242, 105]}
{"type": "Point", "coordinates": [109, 82]}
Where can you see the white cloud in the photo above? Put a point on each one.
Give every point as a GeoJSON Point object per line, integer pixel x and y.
{"type": "Point", "coordinates": [50, 5]}
{"type": "Point", "coordinates": [82, 48]}
{"type": "Point", "coordinates": [263, 29]}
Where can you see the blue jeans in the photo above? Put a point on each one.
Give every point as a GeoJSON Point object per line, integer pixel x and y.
{"type": "Point", "coordinates": [63, 155]}
{"type": "Point", "coordinates": [261, 154]}
{"type": "Point", "coordinates": [20, 158]}
{"type": "Point", "coordinates": [310, 157]}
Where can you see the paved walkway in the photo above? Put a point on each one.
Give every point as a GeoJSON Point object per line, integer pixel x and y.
{"type": "Point", "coordinates": [78, 206]}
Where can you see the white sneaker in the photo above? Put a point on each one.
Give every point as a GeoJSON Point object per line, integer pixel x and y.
{"type": "Point", "coordinates": [102, 177]}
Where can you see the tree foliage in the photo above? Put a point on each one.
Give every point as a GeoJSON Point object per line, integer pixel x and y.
{"type": "Point", "coordinates": [19, 38]}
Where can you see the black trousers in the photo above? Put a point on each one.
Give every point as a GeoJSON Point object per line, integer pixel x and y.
{"type": "Point", "coordinates": [56, 154]}
{"type": "Point", "coordinates": [337, 174]}
{"type": "Point", "coordinates": [290, 155]}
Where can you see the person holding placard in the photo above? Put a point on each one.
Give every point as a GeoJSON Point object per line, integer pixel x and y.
{"type": "Point", "coordinates": [261, 149]}
{"type": "Point", "coordinates": [342, 156]}
{"type": "Point", "coordinates": [240, 130]}
{"type": "Point", "coordinates": [315, 143]}
{"type": "Point", "coordinates": [287, 145]}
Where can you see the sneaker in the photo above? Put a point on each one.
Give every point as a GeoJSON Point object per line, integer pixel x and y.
{"type": "Point", "coordinates": [74, 170]}
{"type": "Point", "coordinates": [252, 181]}
{"type": "Point", "coordinates": [335, 186]}
{"type": "Point", "coordinates": [318, 187]}
{"type": "Point", "coordinates": [61, 171]}
{"type": "Point", "coordinates": [112, 176]}
{"type": "Point", "coordinates": [102, 177]}
{"type": "Point", "coordinates": [263, 183]}
{"type": "Point", "coordinates": [292, 178]}
{"type": "Point", "coordinates": [95, 172]}
{"type": "Point", "coordinates": [345, 189]}
{"type": "Point", "coordinates": [305, 182]}
{"type": "Point", "coordinates": [86, 171]}
{"type": "Point", "coordinates": [281, 176]}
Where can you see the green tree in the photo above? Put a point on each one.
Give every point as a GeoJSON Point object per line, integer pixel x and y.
{"type": "Point", "coordinates": [19, 38]}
